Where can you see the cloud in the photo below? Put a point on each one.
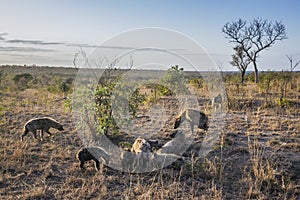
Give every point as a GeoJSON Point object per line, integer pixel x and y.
{"type": "Point", "coordinates": [33, 42]}
{"type": "Point", "coordinates": [2, 36]}
{"type": "Point", "coordinates": [123, 47]}
{"type": "Point", "coordinates": [100, 46]}
{"type": "Point", "coordinates": [80, 45]}
{"type": "Point", "coordinates": [24, 49]}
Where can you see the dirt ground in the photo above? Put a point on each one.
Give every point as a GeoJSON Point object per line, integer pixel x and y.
{"type": "Point", "coordinates": [257, 157]}
{"type": "Point", "coordinates": [254, 154]}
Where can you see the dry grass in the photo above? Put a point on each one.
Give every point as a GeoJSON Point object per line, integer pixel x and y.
{"type": "Point", "coordinates": [258, 156]}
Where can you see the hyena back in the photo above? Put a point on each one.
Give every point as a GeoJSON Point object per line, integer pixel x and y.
{"type": "Point", "coordinates": [41, 124]}
{"type": "Point", "coordinates": [194, 117]}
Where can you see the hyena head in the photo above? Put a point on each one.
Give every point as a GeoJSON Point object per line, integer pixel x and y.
{"type": "Point", "coordinates": [58, 126]}
{"type": "Point", "coordinates": [177, 122]}
{"type": "Point", "coordinates": [141, 145]}
{"type": "Point", "coordinates": [217, 100]}
{"type": "Point", "coordinates": [84, 155]}
{"type": "Point", "coordinates": [203, 122]}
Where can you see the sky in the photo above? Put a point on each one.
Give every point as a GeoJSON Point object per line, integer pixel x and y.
{"type": "Point", "coordinates": [51, 32]}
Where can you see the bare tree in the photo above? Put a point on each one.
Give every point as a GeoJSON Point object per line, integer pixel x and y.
{"type": "Point", "coordinates": [255, 37]}
{"type": "Point", "coordinates": [292, 66]}
{"type": "Point", "coordinates": [240, 60]}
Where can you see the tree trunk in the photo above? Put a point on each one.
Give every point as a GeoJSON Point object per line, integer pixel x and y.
{"type": "Point", "coordinates": [256, 72]}
{"type": "Point", "coordinates": [243, 76]}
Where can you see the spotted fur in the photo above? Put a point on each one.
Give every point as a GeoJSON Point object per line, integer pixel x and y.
{"type": "Point", "coordinates": [194, 117]}
{"type": "Point", "coordinates": [40, 124]}
{"type": "Point", "coordinates": [141, 145]}
{"type": "Point", "coordinates": [95, 154]}
{"type": "Point", "coordinates": [217, 103]}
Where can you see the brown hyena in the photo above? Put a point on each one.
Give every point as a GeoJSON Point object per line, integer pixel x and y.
{"type": "Point", "coordinates": [41, 124]}
{"type": "Point", "coordinates": [194, 117]}
{"type": "Point", "coordinates": [92, 153]}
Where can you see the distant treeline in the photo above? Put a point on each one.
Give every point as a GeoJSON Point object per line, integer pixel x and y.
{"type": "Point", "coordinates": [16, 69]}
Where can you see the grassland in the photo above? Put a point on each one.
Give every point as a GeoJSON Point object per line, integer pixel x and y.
{"type": "Point", "coordinates": [257, 157]}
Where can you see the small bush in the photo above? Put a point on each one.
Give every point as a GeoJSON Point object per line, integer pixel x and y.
{"type": "Point", "coordinates": [283, 102]}
{"type": "Point", "coordinates": [197, 83]}
{"type": "Point", "coordinates": [174, 81]}
{"type": "Point", "coordinates": [68, 105]}
{"type": "Point", "coordinates": [22, 80]}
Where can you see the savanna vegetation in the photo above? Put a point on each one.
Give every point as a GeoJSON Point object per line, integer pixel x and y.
{"type": "Point", "coordinates": [257, 156]}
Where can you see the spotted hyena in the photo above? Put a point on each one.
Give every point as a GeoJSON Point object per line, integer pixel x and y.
{"type": "Point", "coordinates": [217, 103]}
{"type": "Point", "coordinates": [95, 154]}
{"type": "Point", "coordinates": [141, 145]}
{"type": "Point", "coordinates": [194, 117]}
{"type": "Point", "coordinates": [142, 150]}
{"type": "Point", "coordinates": [41, 124]}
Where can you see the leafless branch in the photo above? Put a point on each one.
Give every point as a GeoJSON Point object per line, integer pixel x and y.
{"type": "Point", "coordinates": [292, 66]}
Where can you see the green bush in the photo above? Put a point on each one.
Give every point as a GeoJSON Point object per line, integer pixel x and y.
{"type": "Point", "coordinates": [22, 80]}
{"type": "Point", "coordinates": [283, 102]}
{"type": "Point", "coordinates": [60, 86]}
{"type": "Point", "coordinates": [197, 83]}
{"type": "Point", "coordinates": [68, 105]}
{"type": "Point", "coordinates": [174, 81]}
{"type": "Point", "coordinates": [120, 94]}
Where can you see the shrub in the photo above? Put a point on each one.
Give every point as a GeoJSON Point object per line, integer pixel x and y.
{"type": "Point", "coordinates": [197, 83]}
{"type": "Point", "coordinates": [174, 81]}
{"type": "Point", "coordinates": [124, 96]}
{"type": "Point", "coordinates": [22, 80]}
{"type": "Point", "coordinates": [60, 86]}
{"type": "Point", "coordinates": [283, 102]}
{"type": "Point", "coordinates": [68, 105]}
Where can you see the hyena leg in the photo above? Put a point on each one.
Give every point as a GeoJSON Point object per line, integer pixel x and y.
{"type": "Point", "coordinates": [26, 131]}
{"type": "Point", "coordinates": [41, 134]}
{"type": "Point", "coordinates": [82, 164]}
{"type": "Point", "coordinates": [192, 126]}
{"type": "Point", "coordinates": [97, 164]}
{"type": "Point", "coordinates": [34, 133]}
{"type": "Point", "coordinates": [47, 131]}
